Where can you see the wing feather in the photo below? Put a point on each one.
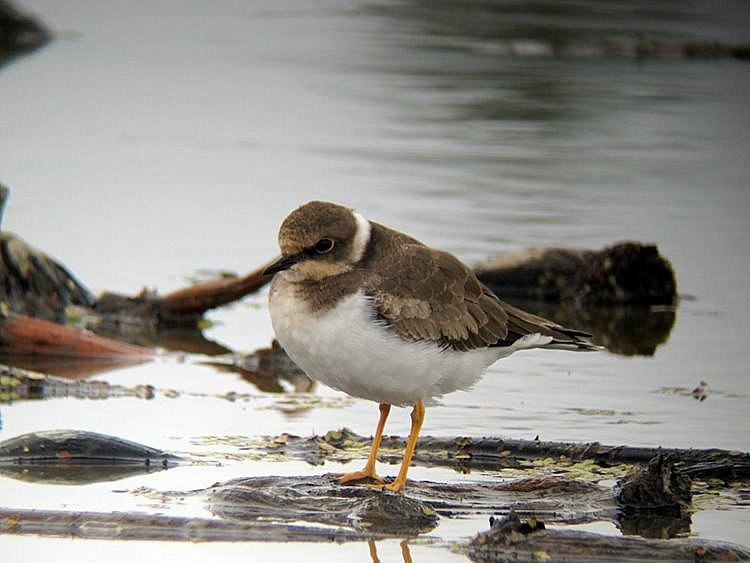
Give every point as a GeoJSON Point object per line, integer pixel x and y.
{"type": "Point", "coordinates": [430, 295]}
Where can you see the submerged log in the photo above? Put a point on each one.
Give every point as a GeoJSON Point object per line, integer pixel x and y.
{"type": "Point", "coordinates": [494, 453]}
{"type": "Point", "coordinates": [20, 33]}
{"type": "Point", "coordinates": [181, 308]}
{"type": "Point", "coordinates": [31, 282]}
{"type": "Point", "coordinates": [36, 285]}
{"type": "Point", "coordinates": [625, 273]}
{"type": "Point", "coordinates": [199, 298]}
{"type": "Point", "coordinates": [655, 500]}
{"type": "Point", "coordinates": [23, 335]}
{"type": "Point", "coordinates": [511, 538]}
{"type": "Point", "coordinates": [158, 527]}
{"type": "Point", "coordinates": [19, 384]}
{"type": "Point", "coordinates": [78, 457]}
{"type": "Point", "coordinates": [320, 500]}
{"type": "Point", "coordinates": [78, 446]}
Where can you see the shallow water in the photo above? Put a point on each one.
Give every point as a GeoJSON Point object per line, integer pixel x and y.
{"type": "Point", "coordinates": [148, 142]}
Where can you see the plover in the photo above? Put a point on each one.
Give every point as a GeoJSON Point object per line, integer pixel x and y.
{"type": "Point", "coordinates": [379, 315]}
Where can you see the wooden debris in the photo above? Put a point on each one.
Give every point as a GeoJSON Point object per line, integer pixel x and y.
{"type": "Point", "coordinates": [18, 384]}
{"type": "Point", "coordinates": [652, 502]}
{"type": "Point", "coordinates": [158, 527]}
{"type": "Point", "coordinates": [20, 33]}
{"type": "Point", "coordinates": [22, 335]}
{"type": "Point", "coordinates": [36, 285]}
{"type": "Point", "coordinates": [321, 500]}
{"type": "Point", "coordinates": [496, 453]}
{"type": "Point", "coordinates": [511, 538]}
{"type": "Point", "coordinates": [78, 446]}
{"type": "Point", "coordinates": [199, 298]}
{"type": "Point", "coordinates": [78, 457]}
{"type": "Point", "coordinates": [625, 273]}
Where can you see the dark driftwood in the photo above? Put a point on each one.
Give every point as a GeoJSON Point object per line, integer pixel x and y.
{"type": "Point", "coordinates": [78, 457]}
{"type": "Point", "coordinates": [36, 285]}
{"type": "Point", "coordinates": [651, 501]}
{"type": "Point", "coordinates": [625, 273]}
{"type": "Point", "coordinates": [494, 453]}
{"type": "Point", "coordinates": [19, 33]}
{"type": "Point", "coordinates": [32, 283]}
{"type": "Point", "coordinates": [78, 446]}
{"type": "Point", "coordinates": [180, 308]}
{"type": "Point", "coordinates": [199, 298]}
{"type": "Point", "coordinates": [37, 337]}
{"type": "Point", "coordinates": [146, 527]}
{"type": "Point", "coordinates": [511, 539]}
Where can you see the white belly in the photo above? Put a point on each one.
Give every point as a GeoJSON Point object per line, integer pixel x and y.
{"type": "Point", "coordinates": [348, 349]}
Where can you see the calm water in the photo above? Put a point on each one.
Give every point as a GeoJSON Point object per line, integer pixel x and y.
{"type": "Point", "coordinates": [149, 141]}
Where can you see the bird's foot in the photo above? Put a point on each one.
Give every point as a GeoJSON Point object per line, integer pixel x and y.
{"type": "Point", "coordinates": [393, 486]}
{"type": "Point", "coordinates": [345, 478]}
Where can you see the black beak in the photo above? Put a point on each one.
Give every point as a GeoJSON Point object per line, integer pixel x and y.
{"type": "Point", "coordinates": [283, 263]}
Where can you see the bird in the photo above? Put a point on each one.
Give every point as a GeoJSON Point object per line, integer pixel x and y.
{"type": "Point", "coordinates": [379, 315]}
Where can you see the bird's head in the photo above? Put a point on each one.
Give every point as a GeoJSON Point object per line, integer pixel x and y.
{"type": "Point", "coordinates": [320, 239]}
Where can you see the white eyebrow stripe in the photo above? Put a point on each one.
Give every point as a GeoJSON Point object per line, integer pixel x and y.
{"type": "Point", "coordinates": [361, 237]}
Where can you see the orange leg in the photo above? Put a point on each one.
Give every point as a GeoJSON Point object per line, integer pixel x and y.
{"type": "Point", "coordinates": [373, 551]}
{"type": "Point", "coordinates": [405, 552]}
{"type": "Point", "coordinates": [369, 469]}
{"type": "Point", "coordinates": [417, 418]}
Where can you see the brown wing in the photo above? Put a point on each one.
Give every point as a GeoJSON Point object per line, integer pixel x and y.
{"type": "Point", "coordinates": [429, 295]}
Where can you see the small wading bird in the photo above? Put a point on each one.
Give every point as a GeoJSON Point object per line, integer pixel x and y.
{"type": "Point", "coordinates": [377, 314]}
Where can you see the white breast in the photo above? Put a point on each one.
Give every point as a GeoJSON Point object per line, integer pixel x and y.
{"type": "Point", "coordinates": [348, 349]}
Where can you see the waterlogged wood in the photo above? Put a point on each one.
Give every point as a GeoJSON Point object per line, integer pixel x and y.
{"type": "Point", "coordinates": [20, 33]}
{"type": "Point", "coordinates": [496, 453]}
{"type": "Point", "coordinates": [17, 384]}
{"type": "Point", "coordinates": [156, 527]}
{"type": "Point", "coordinates": [513, 539]}
{"type": "Point", "coordinates": [79, 447]}
{"type": "Point", "coordinates": [20, 334]}
{"type": "Point", "coordinates": [652, 500]}
{"type": "Point", "coordinates": [183, 307]}
{"type": "Point", "coordinates": [198, 298]}
{"type": "Point", "coordinates": [35, 284]}
{"type": "Point", "coordinates": [624, 273]}
{"type": "Point", "coordinates": [319, 499]}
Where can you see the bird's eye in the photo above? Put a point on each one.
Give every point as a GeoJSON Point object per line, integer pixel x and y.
{"type": "Point", "coordinates": [323, 245]}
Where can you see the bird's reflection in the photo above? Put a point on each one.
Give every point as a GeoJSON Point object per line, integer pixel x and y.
{"type": "Point", "coordinates": [405, 551]}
